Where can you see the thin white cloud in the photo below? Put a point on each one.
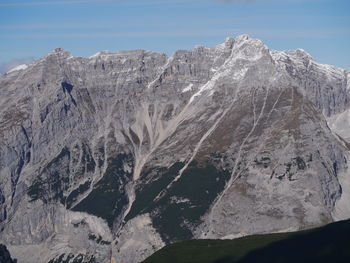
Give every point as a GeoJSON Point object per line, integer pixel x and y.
{"type": "Point", "coordinates": [14, 63]}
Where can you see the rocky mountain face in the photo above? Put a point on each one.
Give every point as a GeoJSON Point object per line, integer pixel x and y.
{"type": "Point", "coordinates": [109, 158]}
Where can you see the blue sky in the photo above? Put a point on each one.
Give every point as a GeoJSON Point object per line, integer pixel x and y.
{"type": "Point", "coordinates": [31, 28]}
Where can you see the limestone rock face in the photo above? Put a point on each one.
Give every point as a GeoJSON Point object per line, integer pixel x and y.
{"type": "Point", "coordinates": [109, 158]}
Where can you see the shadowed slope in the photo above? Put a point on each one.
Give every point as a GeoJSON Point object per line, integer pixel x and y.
{"type": "Point", "coordinates": [325, 244]}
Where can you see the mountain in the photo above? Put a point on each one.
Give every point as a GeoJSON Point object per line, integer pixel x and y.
{"type": "Point", "coordinates": [329, 243]}
{"type": "Point", "coordinates": [110, 158]}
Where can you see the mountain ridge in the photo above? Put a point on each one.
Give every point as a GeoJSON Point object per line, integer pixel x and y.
{"type": "Point", "coordinates": [68, 54]}
{"type": "Point", "coordinates": [135, 150]}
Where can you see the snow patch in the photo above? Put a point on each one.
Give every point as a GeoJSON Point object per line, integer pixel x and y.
{"type": "Point", "coordinates": [188, 88]}
{"type": "Point", "coordinates": [20, 67]}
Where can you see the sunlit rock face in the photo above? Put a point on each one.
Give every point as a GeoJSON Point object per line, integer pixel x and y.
{"type": "Point", "coordinates": [109, 158]}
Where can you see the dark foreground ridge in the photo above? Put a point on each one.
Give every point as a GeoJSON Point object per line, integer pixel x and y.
{"type": "Point", "coordinates": [5, 256]}
{"type": "Point", "coordinates": [330, 243]}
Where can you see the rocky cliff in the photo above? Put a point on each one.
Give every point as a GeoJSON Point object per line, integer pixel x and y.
{"type": "Point", "coordinates": [109, 158]}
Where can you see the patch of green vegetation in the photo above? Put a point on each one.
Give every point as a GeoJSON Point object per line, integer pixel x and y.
{"type": "Point", "coordinates": [64, 153]}
{"type": "Point", "coordinates": [82, 222]}
{"type": "Point", "coordinates": [108, 196]}
{"type": "Point", "coordinates": [177, 209]}
{"type": "Point", "coordinates": [300, 163]}
{"type": "Point", "coordinates": [104, 242]}
{"type": "Point", "coordinates": [295, 162]}
{"type": "Point", "coordinates": [61, 259]}
{"type": "Point", "coordinates": [146, 193]}
{"type": "Point", "coordinates": [53, 181]}
{"type": "Point", "coordinates": [71, 258]}
{"type": "Point", "coordinates": [37, 190]}
{"type": "Point", "coordinates": [193, 163]}
{"type": "Point", "coordinates": [176, 219]}
{"type": "Point", "coordinates": [98, 239]}
{"type": "Point", "coordinates": [72, 197]}
{"type": "Point", "coordinates": [92, 236]}
{"type": "Point", "coordinates": [182, 205]}
{"type": "Point", "coordinates": [325, 244]}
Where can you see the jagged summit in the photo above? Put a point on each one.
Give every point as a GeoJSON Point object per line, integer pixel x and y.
{"type": "Point", "coordinates": [251, 45]}
{"type": "Point", "coordinates": [60, 52]}
{"type": "Point", "coordinates": [239, 38]}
